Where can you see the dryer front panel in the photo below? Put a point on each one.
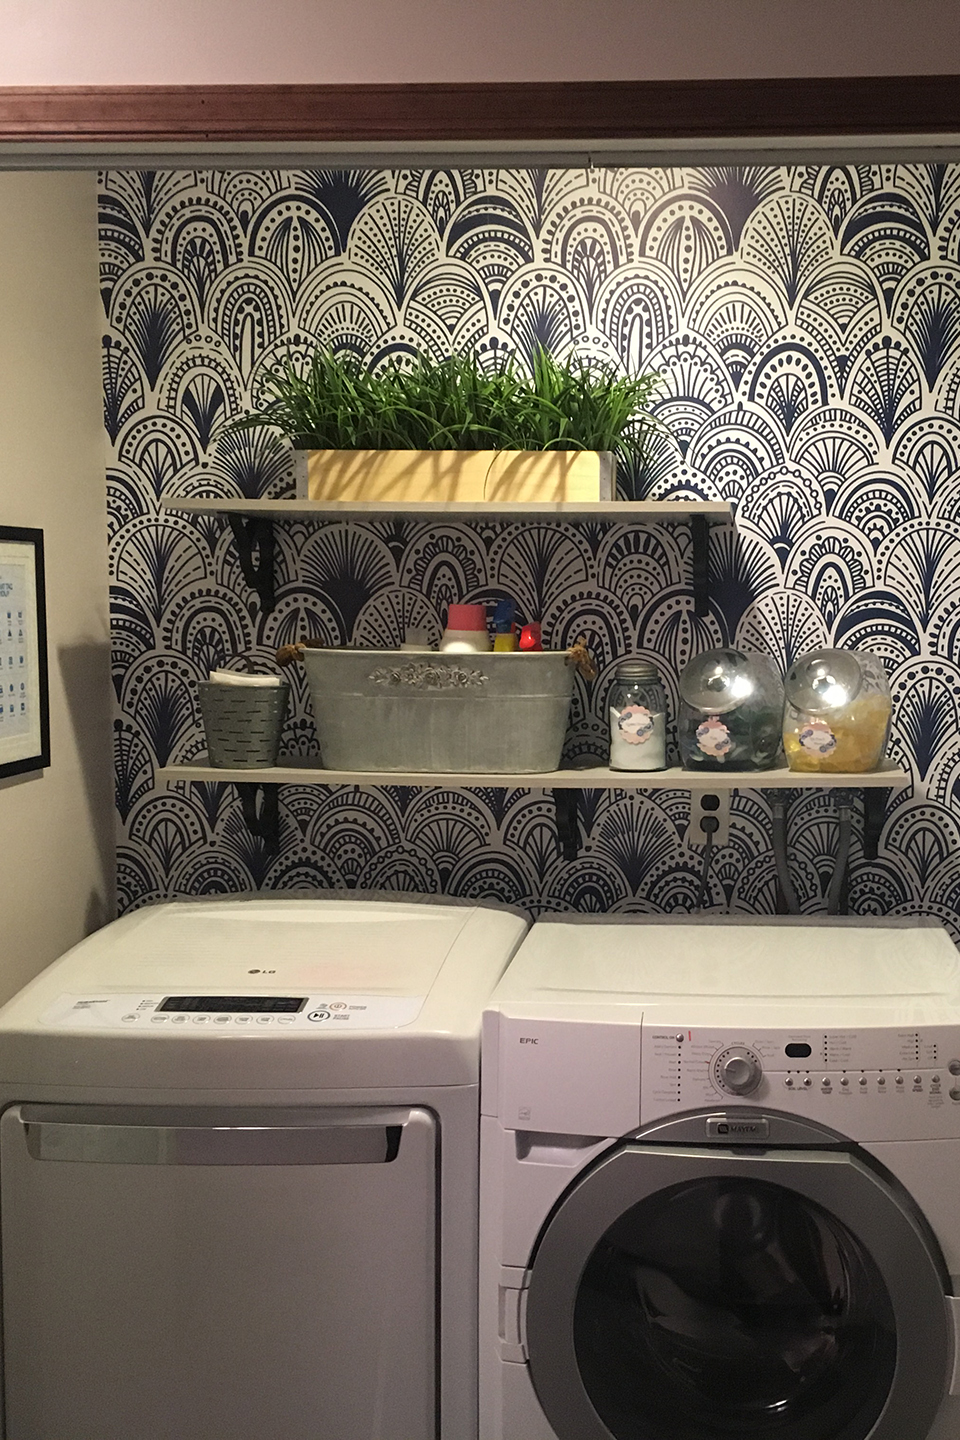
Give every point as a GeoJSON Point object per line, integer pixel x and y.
{"type": "Point", "coordinates": [683, 1293]}
{"type": "Point", "coordinates": [218, 1275]}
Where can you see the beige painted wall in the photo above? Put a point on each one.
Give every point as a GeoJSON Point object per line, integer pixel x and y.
{"type": "Point", "coordinates": [142, 42]}
{"type": "Point", "coordinates": [56, 826]}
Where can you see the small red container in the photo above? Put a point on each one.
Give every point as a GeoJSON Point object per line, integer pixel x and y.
{"type": "Point", "coordinates": [467, 617]}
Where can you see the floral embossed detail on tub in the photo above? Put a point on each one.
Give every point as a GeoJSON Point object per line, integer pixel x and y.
{"type": "Point", "coordinates": [422, 675]}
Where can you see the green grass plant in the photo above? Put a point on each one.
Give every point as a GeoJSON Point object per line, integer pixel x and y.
{"type": "Point", "coordinates": [334, 402]}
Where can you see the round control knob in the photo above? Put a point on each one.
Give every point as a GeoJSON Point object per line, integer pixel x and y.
{"type": "Point", "coordinates": [738, 1070]}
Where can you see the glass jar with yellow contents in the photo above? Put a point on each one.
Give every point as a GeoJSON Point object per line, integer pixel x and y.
{"type": "Point", "coordinates": [836, 716]}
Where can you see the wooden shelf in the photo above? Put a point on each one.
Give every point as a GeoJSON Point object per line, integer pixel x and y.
{"type": "Point", "coordinates": [302, 772]}
{"type": "Point", "coordinates": [663, 511]}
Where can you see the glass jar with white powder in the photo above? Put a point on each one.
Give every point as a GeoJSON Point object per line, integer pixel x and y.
{"type": "Point", "coordinates": [638, 718]}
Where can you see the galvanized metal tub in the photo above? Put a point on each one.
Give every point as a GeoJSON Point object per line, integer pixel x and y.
{"type": "Point", "coordinates": [442, 713]}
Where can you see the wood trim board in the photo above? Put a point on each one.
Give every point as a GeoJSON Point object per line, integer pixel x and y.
{"type": "Point", "coordinates": [492, 112]}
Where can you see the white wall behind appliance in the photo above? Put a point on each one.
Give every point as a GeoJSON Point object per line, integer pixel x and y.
{"type": "Point", "coordinates": [56, 826]}
{"type": "Point", "coordinates": [144, 42]}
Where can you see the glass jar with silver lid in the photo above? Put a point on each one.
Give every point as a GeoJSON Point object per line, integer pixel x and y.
{"type": "Point", "coordinates": [837, 711]}
{"type": "Point", "coordinates": [637, 707]}
{"type": "Point", "coordinates": [730, 712]}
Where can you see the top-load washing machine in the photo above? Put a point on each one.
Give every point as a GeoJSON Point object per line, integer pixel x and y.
{"type": "Point", "coordinates": [720, 1183]}
{"type": "Point", "coordinates": [238, 1174]}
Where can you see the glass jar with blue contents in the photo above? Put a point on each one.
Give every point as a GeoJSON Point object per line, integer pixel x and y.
{"type": "Point", "coordinates": [730, 712]}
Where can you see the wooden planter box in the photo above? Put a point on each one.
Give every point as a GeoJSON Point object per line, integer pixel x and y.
{"type": "Point", "coordinates": [496, 476]}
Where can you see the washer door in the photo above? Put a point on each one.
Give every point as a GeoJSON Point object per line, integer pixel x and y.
{"type": "Point", "coordinates": [702, 1294]}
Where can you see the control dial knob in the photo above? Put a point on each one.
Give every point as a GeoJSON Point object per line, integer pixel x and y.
{"type": "Point", "coordinates": [737, 1070]}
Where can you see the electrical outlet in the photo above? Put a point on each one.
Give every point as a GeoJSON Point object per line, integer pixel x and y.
{"type": "Point", "coordinates": [709, 802]}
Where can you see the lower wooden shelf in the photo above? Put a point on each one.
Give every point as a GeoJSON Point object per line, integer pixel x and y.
{"type": "Point", "coordinates": [303, 772]}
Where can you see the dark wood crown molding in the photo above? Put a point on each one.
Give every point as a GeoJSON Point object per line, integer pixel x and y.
{"type": "Point", "coordinates": [570, 110]}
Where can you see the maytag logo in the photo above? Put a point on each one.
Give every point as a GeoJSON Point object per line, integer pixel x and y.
{"type": "Point", "coordinates": [719, 1127]}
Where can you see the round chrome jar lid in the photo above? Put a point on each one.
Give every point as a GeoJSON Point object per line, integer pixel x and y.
{"type": "Point", "coordinates": [719, 680]}
{"type": "Point", "coordinates": [823, 680]}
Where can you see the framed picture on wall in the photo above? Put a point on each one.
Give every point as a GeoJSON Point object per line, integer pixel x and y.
{"type": "Point", "coordinates": [24, 700]}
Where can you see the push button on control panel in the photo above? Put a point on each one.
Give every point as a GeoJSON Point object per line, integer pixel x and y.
{"type": "Point", "coordinates": [874, 1083]}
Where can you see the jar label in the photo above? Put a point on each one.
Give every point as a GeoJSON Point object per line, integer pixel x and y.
{"type": "Point", "coordinates": [713, 737]}
{"type": "Point", "coordinates": [635, 724]}
{"type": "Point", "coordinates": [817, 737]}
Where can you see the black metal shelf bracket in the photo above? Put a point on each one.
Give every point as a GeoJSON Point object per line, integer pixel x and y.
{"type": "Point", "coordinates": [568, 834]}
{"type": "Point", "coordinates": [874, 814]}
{"type": "Point", "coordinates": [255, 534]}
{"type": "Point", "coordinates": [700, 536]}
{"type": "Point", "coordinates": [263, 820]}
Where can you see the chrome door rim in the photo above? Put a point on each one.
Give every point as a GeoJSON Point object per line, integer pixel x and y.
{"type": "Point", "coordinates": [836, 1180]}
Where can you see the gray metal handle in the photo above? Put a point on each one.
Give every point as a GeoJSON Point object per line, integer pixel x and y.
{"type": "Point", "coordinates": [87, 1144]}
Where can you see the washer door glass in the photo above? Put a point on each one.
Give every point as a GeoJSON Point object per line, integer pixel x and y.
{"type": "Point", "coordinates": [733, 1307]}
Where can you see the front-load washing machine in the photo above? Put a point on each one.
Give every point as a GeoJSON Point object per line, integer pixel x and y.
{"type": "Point", "coordinates": [720, 1183]}
{"type": "Point", "coordinates": [238, 1174]}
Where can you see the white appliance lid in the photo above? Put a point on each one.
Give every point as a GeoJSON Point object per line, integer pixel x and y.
{"type": "Point", "coordinates": [777, 960]}
{"type": "Point", "coordinates": [366, 994]}
{"type": "Point", "coordinates": [357, 947]}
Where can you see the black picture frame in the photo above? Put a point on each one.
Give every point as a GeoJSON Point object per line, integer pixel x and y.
{"type": "Point", "coordinates": [24, 688]}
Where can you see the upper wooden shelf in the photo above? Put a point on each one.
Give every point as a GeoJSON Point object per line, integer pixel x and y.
{"type": "Point", "coordinates": [714, 511]}
{"type": "Point", "coordinates": [306, 772]}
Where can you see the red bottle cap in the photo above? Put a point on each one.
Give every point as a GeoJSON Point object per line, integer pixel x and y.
{"type": "Point", "coordinates": [530, 638]}
{"type": "Point", "coordinates": [467, 617]}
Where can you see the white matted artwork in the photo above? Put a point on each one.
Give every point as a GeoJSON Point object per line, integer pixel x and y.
{"type": "Point", "coordinates": [24, 711]}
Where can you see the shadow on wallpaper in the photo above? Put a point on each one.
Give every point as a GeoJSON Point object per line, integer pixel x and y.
{"type": "Point", "coordinates": [807, 324]}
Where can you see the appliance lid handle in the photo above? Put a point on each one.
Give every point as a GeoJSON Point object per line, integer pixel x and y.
{"type": "Point", "coordinates": [105, 1144]}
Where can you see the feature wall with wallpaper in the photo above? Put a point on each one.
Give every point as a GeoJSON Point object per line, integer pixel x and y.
{"type": "Point", "coordinates": [806, 322]}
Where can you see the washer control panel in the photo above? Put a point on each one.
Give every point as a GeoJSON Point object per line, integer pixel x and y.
{"type": "Point", "coordinates": [897, 1084]}
{"type": "Point", "coordinates": [233, 1014]}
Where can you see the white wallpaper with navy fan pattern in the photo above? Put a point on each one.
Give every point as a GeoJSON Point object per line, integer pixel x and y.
{"type": "Point", "coordinates": [807, 324]}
